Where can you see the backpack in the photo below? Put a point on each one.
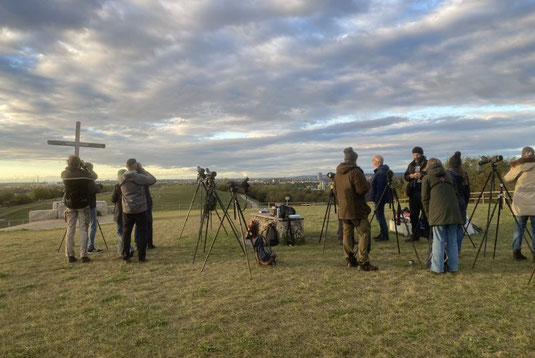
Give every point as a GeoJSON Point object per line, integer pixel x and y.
{"type": "Point", "coordinates": [271, 235]}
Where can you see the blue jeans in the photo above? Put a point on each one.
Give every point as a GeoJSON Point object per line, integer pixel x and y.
{"type": "Point", "coordinates": [381, 219]}
{"type": "Point", "coordinates": [519, 231]}
{"type": "Point", "coordinates": [445, 235]}
{"type": "Point", "coordinates": [92, 228]}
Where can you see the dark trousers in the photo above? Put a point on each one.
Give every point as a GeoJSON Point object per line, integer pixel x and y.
{"type": "Point", "coordinates": [140, 220]}
{"type": "Point", "coordinates": [381, 219]}
{"type": "Point", "coordinates": [416, 207]}
{"type": "Point", "coordinates": [148, 231]}
{"type": "Point", "coordinates": [340, 232]}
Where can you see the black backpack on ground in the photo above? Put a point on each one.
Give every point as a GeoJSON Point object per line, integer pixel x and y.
{"type": "Point", "coordinates": [271, 235]}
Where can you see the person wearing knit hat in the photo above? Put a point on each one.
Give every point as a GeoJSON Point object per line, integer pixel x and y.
{"type": "Point", "coordinates": [523, 172]}
{"type": "Point", "coordinates": [350, 186]}
{"type": "Point", "coordinates": [414, 175]}
{"type": "Point", "coordinates": [462, 181]}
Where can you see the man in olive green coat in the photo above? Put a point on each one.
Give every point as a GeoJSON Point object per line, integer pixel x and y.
{"type": "Point", "coordinates": [443, 213]}
{"type": "Point", "coordinates": [350, 186]}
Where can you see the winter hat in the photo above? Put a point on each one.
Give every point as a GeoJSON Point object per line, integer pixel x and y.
{"type": "Point", "coordinates": [528, 152]}
{"type": "Point", "coordinates": [89, 165]}
{"type": "Point", "coordinates": [350, 155]}
{"type": "Point", "coordinates": [455, 160]}
{"type": "Point", "coordinates": [418, 150]}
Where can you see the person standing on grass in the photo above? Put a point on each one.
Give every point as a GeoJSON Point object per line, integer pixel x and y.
{"type": "Point", "coordinates": [378, 186]}
{"type": "Point", "coordinates": [78, 181]}
{"type": "Point", "coordinates": [523, 172]}
{"type": "Point", "coordinates": [117, 199]}
{"type": "Point", "coordinates": [150, 244]}
{"type": "Point", "coordinates": [462, 184]}
{"type": "Point", "coordinates": [134, 204]}
{"type": "Point", "coordinates": [92, 213]}
{"type": "Point", "coordinates": [414, 175]}
{"type": "Point", "coordinates": [350, 186]}
{"type": "Point", "coordinates": [440, 203]}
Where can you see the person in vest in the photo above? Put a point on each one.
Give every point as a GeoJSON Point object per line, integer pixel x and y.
{"type": "Point", "coordinates": [351, 186]}
{"type": "Point", "coordinates": [462, 184]}
{"type": "Point", "coordinates": [134, 204]}
{"type": "Point", "coordinates": [439, 200]}
{"type": "Point", "coordinates": [523, 172]}
{"type": "Point", "coordinates": [378, 186]}
{"type": "Point", "coordinates": [78, 181]}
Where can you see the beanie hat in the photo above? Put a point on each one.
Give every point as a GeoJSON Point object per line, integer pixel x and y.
{"type": "Point", "coordinates": [418, 150]}
{"type": "Point", "coordinates": [455, 160]}
{"type": "Point", "coordinates": [528, 152]}
{"type": "Point", "coordinates": [350, 155]}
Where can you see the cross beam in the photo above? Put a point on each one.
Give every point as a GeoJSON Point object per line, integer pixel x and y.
{"type": "Point", "coordinates": [76, 144]}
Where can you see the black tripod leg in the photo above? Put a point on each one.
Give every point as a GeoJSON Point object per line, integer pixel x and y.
{"type": "Point", "coordinates": [101, 233]}
{"type": "Point", "coordinates": [328, 212]}
{"type": "Point", "coordinates": [325, 218]}
{"type": "Point", "coordinates": [531, 277]}
{"type": "Point", "coordinates": [242, 217]}
{"type": "Point", "coordinates": [229, 220]}
{"type": "Point", "coordinates": [63, 239]}
{"type": "Point", "coordinates": [189, 210]}
{"type": "Point", "coordinates": [467, 234]}
{"type": "Point", "coordinates": [207, 224]}
{"type": "Point", "coordinates": [484, 236]}
{"type": "Point", "coordinates": [219, 217]}
{"type": "Point", "coordinates": [395, 225]}
{"type": "Point", "coordinates": [199, 236]}
{"type": "Point", "coordinates": [497, 228]}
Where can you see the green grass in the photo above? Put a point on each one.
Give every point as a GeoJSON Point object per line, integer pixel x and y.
{"type": "Point", "coordinates": [309, 305]}
{"type": "Point", "coordinates": [20, 212]}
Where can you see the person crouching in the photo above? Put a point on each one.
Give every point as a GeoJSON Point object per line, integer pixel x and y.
{"type": "Point", "coordinates": [443, 213]}
{"type": "Point", "coordinates": [350, 186]}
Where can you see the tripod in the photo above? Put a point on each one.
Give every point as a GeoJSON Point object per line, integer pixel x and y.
{"type": "Point", "coordinates": [242, 222]}
{"type": "Point", "coordinates": [200, 177]}
{"type": "Point", "coordinates": [101, 233]}
{"type": "Point", "coordinates": [330, 203]}
{"type": "Point", "coordinates": [497, 205]}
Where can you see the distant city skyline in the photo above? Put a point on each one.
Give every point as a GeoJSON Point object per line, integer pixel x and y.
{"type": "Point", "coordinates": [264, 89]}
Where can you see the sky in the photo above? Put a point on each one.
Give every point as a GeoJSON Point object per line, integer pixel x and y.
{"type": "Point", "coordinates": [262, 88]}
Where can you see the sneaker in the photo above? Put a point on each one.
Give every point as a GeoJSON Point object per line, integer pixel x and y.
{"type": "Point", "coordinates": [86, 260]}
{"type": "Point", "coordinates": [517, 255]}
{"type": "Point", "coordinates": [150, 247]}
{"type": "Point", "coordinates": [94, 251]}
{"type": "Point", "coordinates": [367, 267]}
{"type": "Point", "coordinates": [72, 259]}
{"type": "Point", "coordinates": [351, 261]}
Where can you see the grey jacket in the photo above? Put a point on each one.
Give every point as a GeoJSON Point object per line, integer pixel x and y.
{"type": "Point", "coordinates": [132, 183]}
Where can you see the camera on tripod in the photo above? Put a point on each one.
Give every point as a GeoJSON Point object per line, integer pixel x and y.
{"type": "Point", "coordinates": [389, 176]}
{"type": "Point", "coordinates": [494, 159]}
{"type": "Point", "coordinates": [330, 175]}
{"type": "Point", "coordinates": [244, 185]}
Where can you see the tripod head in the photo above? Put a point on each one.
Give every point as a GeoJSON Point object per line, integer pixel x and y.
{"type": "Point", "coordinates": [210, 177]}
{"type": "Point", "coordinates": [201, 175]}
{"type": "Point", "coordinates": [493, 160]}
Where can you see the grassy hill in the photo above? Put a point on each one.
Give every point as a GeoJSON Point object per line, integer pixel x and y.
{"type": "Point", "coordinates": [311, 304]}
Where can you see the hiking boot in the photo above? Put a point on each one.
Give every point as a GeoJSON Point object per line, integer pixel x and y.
{"type": "Point", "coordinates": [86, 260]}
{"type": "Point", "coordinates": [150, 247]}
{"type": "Point", "coordinates": [367, 267]}
{"type": "Point", "coordinates": [351, 261]}
{"type": "Point", "coordinates": [72, 259]}
{"type": "Point", "coordinates": [517, 255]}
{"type": "Point", "coordinates": [380, 238]}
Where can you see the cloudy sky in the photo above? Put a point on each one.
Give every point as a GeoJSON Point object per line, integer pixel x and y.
{"type": "Point", "coordinates": [267, 88]}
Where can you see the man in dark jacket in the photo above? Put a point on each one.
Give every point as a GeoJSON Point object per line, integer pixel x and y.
{"type": "Point", "coordinates": [134, 203]}
{"type": "Point", "coordinates": [350, 186]}
{"type": "Point", "coordinates": [148, 234]}
{"type": "Point", "coordinates": [78, 183]}
{"type": "Point", "coordinates": [462, 185]}
{"type": "Point", "coordinates": [414, 175]}
{"type": "Point", "coordinates": [117, 200]}
{"type": "Point", "coordinates": [380, 195]}
{"type": "Point", "coordinates": [440, 203]}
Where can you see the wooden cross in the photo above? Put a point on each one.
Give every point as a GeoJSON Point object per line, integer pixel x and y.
{"type": "Point", "coordinates": [76, 144]}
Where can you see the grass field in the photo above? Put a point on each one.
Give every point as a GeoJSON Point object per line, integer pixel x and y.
{"type": "Point", "coordinates": [309, 305]}
{"type": "Point", "coordinates": [20, 212]}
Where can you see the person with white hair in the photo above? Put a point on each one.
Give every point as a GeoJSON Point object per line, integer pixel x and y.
{"type": "Point", "coordinates": [379, 195]}
{"type": "Point", "coordinates": [523, 172]}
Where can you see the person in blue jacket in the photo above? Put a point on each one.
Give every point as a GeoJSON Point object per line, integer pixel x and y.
{"type": "Point", "coordinates": [378, 186]}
